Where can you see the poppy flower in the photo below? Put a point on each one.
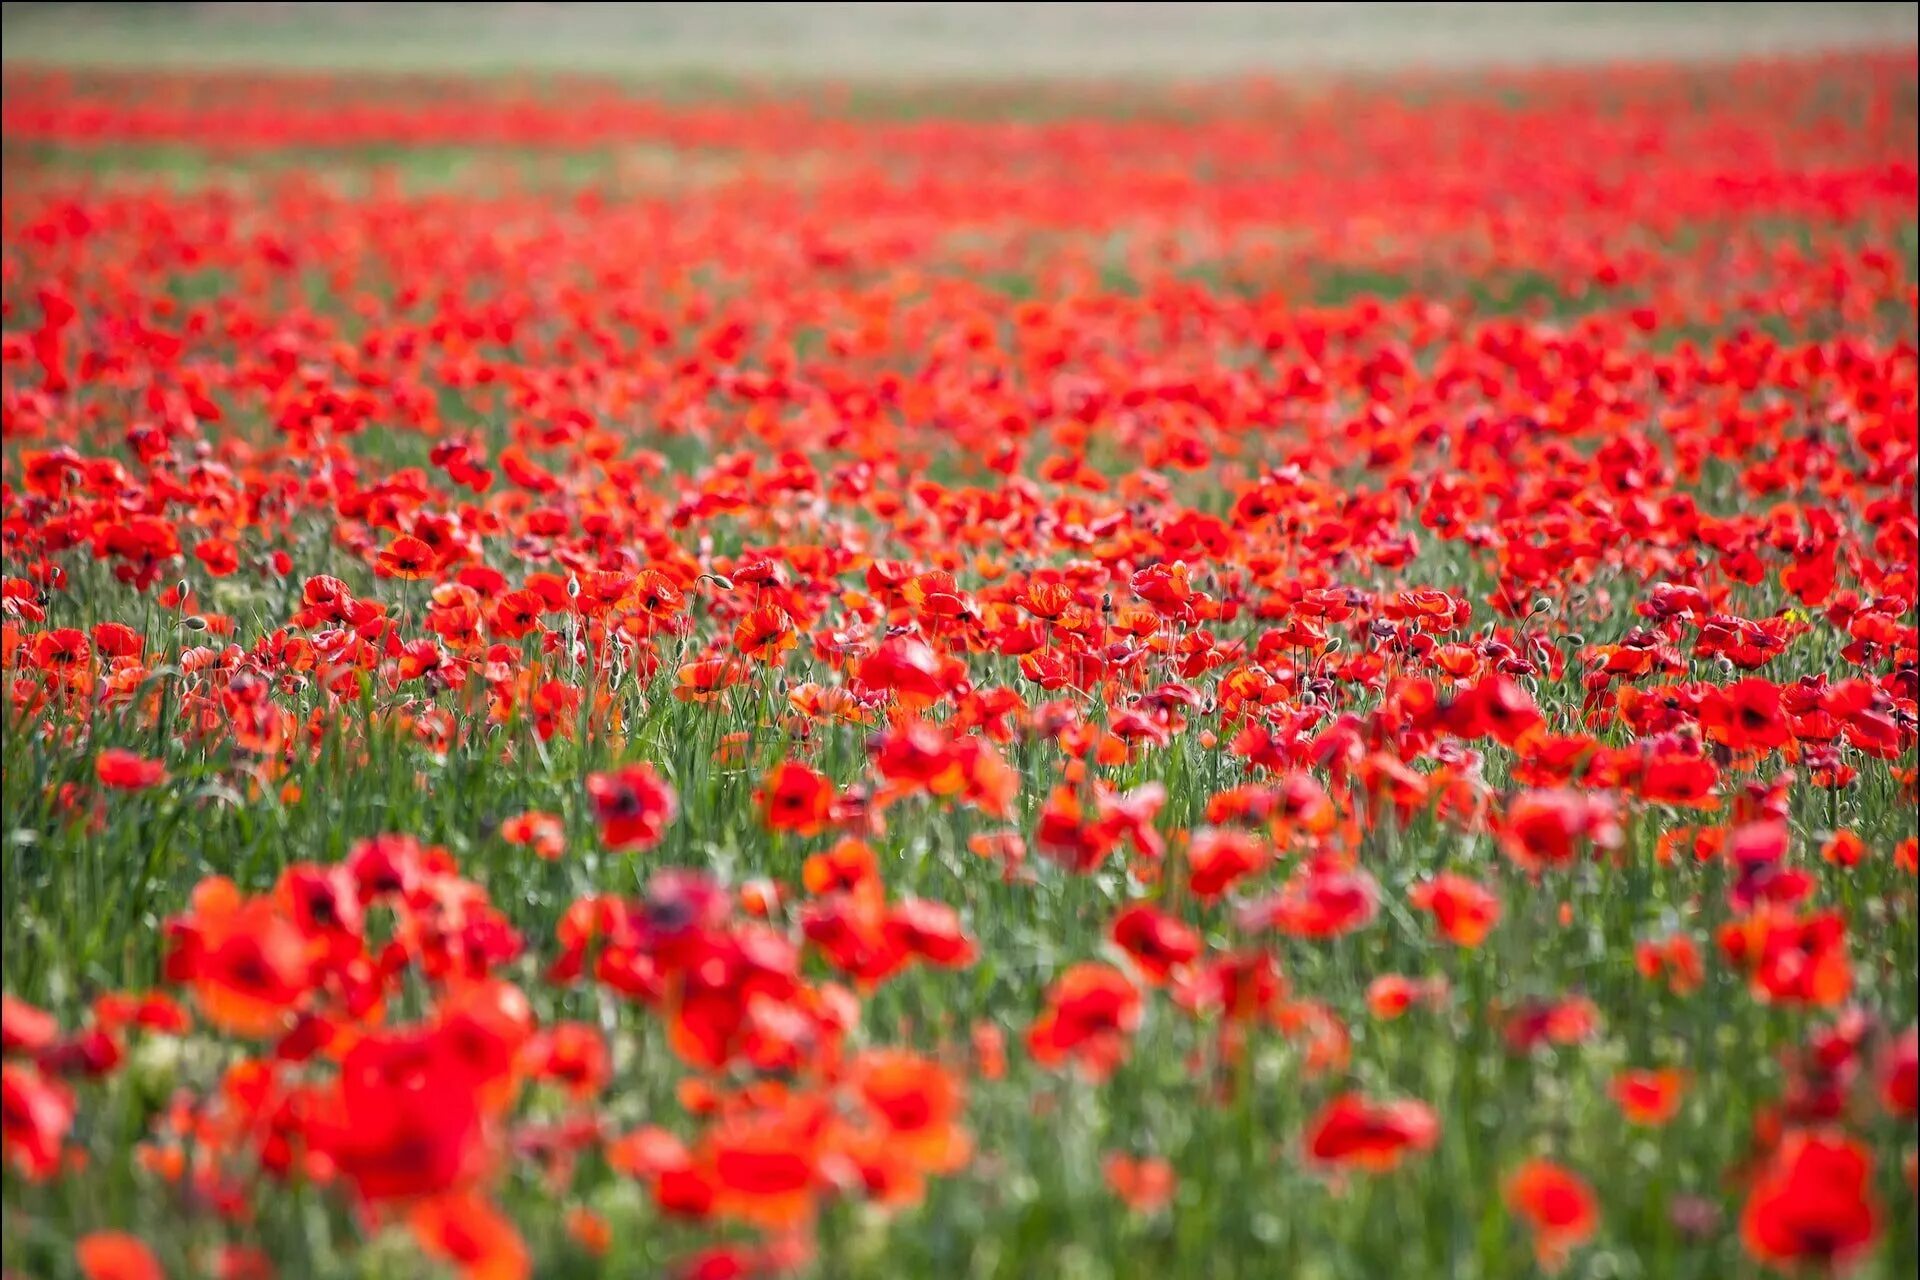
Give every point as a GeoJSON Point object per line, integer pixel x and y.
{"type": "Point", "coordinates": [1559, 1207]}
{"type": "Point", "coordinates": [1567, 1021]}
{"type": "Point", "coordinates": [1322, 900]}
{"type": "Point", "coordinates": [246, 962]}
{"type": "Point", "coordinates": [1900, 1076]}
{"type": "Point", "coordinates": [1811, 1203]}
{"type": "Point", "coordinates": [919, 1104]}
{"type": "Point", "coordinates": [35, 1117]}
{"type": "Point", "coordinates": [634, 806]}
{"type": "Point", "coordinates": [1091, 1012]}
{"type": "Point", "coordinates": [466, 1231]}
{"type": "Point", "coordinates": [1649, 1097]}
{"type": "Point", "coordinates": [1156, 942]}
{"type": "Point", "coordinates": [1791, 959]}
{"type": "Point", "coordinates": [65, 652]}
{"type": "Point", "coordinates": [1145, 1184]}
{"type": "Point", "coordinates": [406, 558]}
{"type": "Point", "coordinates": [707, 679]}
{"type": "Point", "coordinates": [796, 799]}
{"type": "Point", "coordinates": [845, 867]}
{"type": "Point", "coordinates": [541, 832]}
{"type": "Point", "coordinates": [571, 1054]}
{"type": "Point", "coordinates": [1391, 994]}
{"type": "Point", "coordinates": [24, 1028]}
{"type": "Point", "coordinates": [1218, 858]}
{"type": "Point", "coordinates": [116, 1255]}
{"type": "Point", "coordinates": [1550, 828]}
{"type": "Point", "coordinates": [124, 770]}
{"type": "Point", "coordinates": [1354, 1132]}
{"type": "Point", "coordinates": [765, 634]}
{"type": "Point", "coordinates": [1464, 909]}
{"type": "Point", "coordinates": [1674, 960]}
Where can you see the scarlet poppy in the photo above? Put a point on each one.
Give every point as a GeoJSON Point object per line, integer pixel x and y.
{"type": "Point", "coordinates": [116, 1255]}
{"type": "Point", "coordinates": [1811, 1203]}
{"type": "Point", "coordinates": [1145, 1184]}
{"type": "Point", "coordinates": [125, 770]}
{"type": "Point", "coordinates": [1355, 1132]}
{"type": "Point", "coordinates": [1649, 1097]}
{"type": "Point", "coordinates": [1464, 909]}
{"type": "Point", "coordinates": [1091, 1012]}
{"type": "Point", "coordinates": [794, 798]}
{"type": "Point", "coordinates": [1557, 1204]}
{"type": "Point", "coordinates": [634, 805]}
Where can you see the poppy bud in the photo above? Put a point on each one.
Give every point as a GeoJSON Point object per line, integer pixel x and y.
{"type": "Point", "coordinates": [194, 623]}
{"type": "Point", "coordinates": [573, 587]}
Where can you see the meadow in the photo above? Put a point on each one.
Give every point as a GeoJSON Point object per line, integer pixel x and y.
{"type": "Point", "coordinates": [1096, 679]}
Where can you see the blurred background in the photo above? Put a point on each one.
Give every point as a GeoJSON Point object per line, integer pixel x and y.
{"type": "Point", "coordinates": [908, 40]}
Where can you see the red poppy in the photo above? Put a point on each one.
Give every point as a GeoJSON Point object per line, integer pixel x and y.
{"type": "Point", "coordinates": [1811, 1203]}
{"type": "Point", "coordinates": [1145, 1185]}
{"type": "Point", "coordinates": [1649, 1097]}
{"type": "Point", "coordinates": [247, 963]}
{"type": "Point", "coordinates": [634, 805]}
{"type": "Point", "coordinates": [406, 558]}
{"type": "Point", "coordinates": [1557, 1204]}
{"type": "Point", "coordinates": [35, 1117]}
{"type": "Point", "coordinates": [125, 770]}
{"type": "Point", "coordinates": [542, 832]}
{"type": "Point", "coordinates": [1464, 909]}
{"type": "Point", "coordinates": [794, 798]}
{"type": "Point", "coordinates": [765, 634]}
{"type": "Point", "coordinates": [1091, 1013]}
{"type": "Point", "coordinates": [25, 1028]}
{"type": "Point", "coordinates": [116, 1255]}
{"type": "Point", "coordinates": [466, 1231]}
{"type": "Point", "coordinates": [1355, 1132]}
{"type": "Point", "coordinates": [1158, 943]}
{"type": "Point", "coordinates": [1551, 828]}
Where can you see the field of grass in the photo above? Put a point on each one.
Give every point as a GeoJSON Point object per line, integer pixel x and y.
{"type": "Point", "coordinates": [1065, 677]}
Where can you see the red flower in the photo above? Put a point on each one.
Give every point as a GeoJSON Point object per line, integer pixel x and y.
{"type": "Point", "coordinates": [125, 770]}
{"type": "Point", "coordinates": [1900, 1076]}
{"type": "Point", "coordinates": [1810, 1204]}
{"type": "Point", "coordinates": [1557, 1204]}
{"type": "Point", "coordinates": [1157, 943]}
{"type": "Point", "coordinates": [1145, 1185]}
{"type": "Point", "coordinates": [795, 798]}
{"type": "Point", "coordinates": [1091, 1012]}
{"type": "Point", "coordinates": [1218, 858]}
{"type": "Point", "coordinates": [406, 558]}
{"type": "Point", "coordinates": [35, 1116]}
{"type": "Point", "coordinates": [467, 1231]}
{"type": "Point", "coordinates": [115, 1255]}
{"type": "Point", "coordinates": [765, 634]}
{"type": "Point", "coordinates": [1649, 1097]}
{"type": "Point", "coordinates": [634, 805]}
{"type": "Point", "coordinates": [1464, 909]}
{"type": "Point", "coordinates": [1550, 828]}
{"type": "Point", "coordinates": [541, 832]}
{"type": "Point", "coordinates": [1354, 1132]}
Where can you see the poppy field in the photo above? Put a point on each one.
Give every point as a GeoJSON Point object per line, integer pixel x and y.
{"type": "Point", "coordinates": [1239, 679]}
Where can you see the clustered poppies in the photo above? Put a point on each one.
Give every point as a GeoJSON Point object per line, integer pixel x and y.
{"type": "Point", "coordinates": [921, 622]}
